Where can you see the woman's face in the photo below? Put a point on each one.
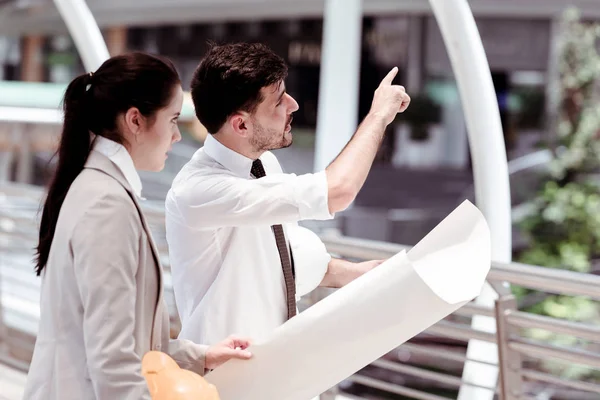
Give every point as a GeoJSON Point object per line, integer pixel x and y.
{"type": "Point", "coordinates": [154, 141]}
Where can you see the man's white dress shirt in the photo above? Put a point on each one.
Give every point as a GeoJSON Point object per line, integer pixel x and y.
{"type": "Point", "coordinates": [226, 270]}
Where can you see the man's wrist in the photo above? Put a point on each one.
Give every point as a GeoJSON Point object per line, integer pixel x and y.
{"type": "Point", "coordinates": [376, 120]}
{"type": "Point", "coordinates": [340, 273]}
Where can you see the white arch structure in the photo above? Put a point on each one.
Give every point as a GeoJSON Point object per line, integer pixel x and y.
{"type": "Point", "coordinates": [85, 32]}
{"type": "Point", "coordinates": [490, 169]}
{"type": "Point", "coordinates": [337, 121]}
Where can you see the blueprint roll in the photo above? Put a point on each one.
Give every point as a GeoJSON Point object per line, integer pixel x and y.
{"type": "Point", "coordinates": [368, 318]}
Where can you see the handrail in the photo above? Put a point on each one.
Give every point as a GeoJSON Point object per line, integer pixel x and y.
{"type": "Point", "coordinates": [392, 388]}
{"type": "Point", "coordinates": [527, 320]}
{"type": "Point", "coordinates": [452, 330]}
{"type": "Point", "coordinates": [547, 279]}
{"type": "Point", "coordinates": [453, 381]}
{"type": "Point", "coordinates": [577, 385]}
{"type": "Point", "coordinates": [534, 277]}
{"type": "Point", "coordinates": [576, 356]}
{"type": "Point", "coordinates": [417, 349]}
{"type": "Point", "coordinates": [471, 309]}
{"type": "Point", "coordinates": [460, 332]}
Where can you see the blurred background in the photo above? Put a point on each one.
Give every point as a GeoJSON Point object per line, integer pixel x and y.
{"type": "Point", "coordinates": [545, 66]}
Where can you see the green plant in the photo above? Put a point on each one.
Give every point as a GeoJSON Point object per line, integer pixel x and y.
{"type": "Point", "coordinates": [563, 231]}
{"type": "Point", "coordinates": [578, 125]}
{"type": "Point", "coordinates": [422, 113]}
{"type": "Point", "coordinates": [528, 104]}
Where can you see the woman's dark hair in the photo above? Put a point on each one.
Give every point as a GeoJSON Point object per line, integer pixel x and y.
{"type": "Point", "coordinates": [92, 103]}
{"type": "Point", "coordinates": [229, 79]}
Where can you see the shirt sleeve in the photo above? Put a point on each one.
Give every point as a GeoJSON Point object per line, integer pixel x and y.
{"type": "Point", "coordinates": [223, 200]}
{"type": "Point", "coordinates": [188, 355]}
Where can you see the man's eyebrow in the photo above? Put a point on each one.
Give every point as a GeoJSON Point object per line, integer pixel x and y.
{"type": "Point", "coordinates": [281, 94]}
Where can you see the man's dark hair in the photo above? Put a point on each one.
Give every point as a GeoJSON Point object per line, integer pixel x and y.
{"type": "Point", "coordinates": [229, 79]}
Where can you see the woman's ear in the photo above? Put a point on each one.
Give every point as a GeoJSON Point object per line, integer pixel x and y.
{"type": "Point", "coordinates": [134, 120]}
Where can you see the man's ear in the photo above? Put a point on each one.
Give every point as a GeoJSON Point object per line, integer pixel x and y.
{"type": "Point", "coordinates": [239, 123]}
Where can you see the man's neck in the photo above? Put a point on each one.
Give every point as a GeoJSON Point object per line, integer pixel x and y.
{"type": "Point", "coordinates": [235, 145]}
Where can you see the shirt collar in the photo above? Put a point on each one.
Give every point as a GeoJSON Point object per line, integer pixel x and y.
{"type": "Point", "coordinates": [235, 162]}
{"type": "Point", "coordinates": [119, 155]}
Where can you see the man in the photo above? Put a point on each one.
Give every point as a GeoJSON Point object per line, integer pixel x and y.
{"type": "Point", "coordinates": [231, 207]}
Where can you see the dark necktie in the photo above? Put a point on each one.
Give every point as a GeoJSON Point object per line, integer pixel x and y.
{"type": "Point", "coordinates": [259, 171]}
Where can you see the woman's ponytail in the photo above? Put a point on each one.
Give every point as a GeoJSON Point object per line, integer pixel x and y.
{"type": "Point", "coordinates": [72, 153]}
{"type": "Point", "coordinates": [93, 103]}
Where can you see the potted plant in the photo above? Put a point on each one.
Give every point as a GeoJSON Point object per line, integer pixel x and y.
{"type": "Point", "coordinates": [422, 113]}
{"type": "Point", "coordinates": [418, 134]}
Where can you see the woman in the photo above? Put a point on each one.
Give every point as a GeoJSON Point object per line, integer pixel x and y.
{"type": "Point", "coordinates": [101, 300]}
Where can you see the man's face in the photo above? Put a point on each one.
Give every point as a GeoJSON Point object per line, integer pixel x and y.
{"type": "Point", "coordinates": [271, 121]}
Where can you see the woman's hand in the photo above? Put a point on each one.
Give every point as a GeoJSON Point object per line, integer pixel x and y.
{"type": "Point", "coordinates": [232, 347]}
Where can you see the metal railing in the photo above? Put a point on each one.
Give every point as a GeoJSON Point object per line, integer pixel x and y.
{"type": "Point", "coordinates": [513, 346]}
{"type": "Point", "coordinates": [433, 359]}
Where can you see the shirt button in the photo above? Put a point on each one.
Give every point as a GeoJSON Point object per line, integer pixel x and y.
{"type": "Point", "coordinates": [157, 347]}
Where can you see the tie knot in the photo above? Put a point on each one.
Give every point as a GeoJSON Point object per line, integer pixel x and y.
{"type": "Point", "coordinates": [257, 169]}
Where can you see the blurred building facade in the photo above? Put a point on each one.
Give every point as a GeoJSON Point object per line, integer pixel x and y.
{"type": "Point", "coordinates": [519, 37]}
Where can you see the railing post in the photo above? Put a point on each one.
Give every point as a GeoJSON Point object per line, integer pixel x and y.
{"type": "Point", "coordinates": [24, 173]}
{"type": "Point", "coordinates": [3, 329]}
{"type": "Point", "coordinates": [7, 155]}
{"type": "Point", "coordinates": [510, 381]}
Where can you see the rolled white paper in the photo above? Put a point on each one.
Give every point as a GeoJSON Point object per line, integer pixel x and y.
{"type": "Point", "coordinates": [368, 318]}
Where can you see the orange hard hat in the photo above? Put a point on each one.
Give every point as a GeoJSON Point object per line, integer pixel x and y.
{"type": "Point", "coordinates": [166, 381]}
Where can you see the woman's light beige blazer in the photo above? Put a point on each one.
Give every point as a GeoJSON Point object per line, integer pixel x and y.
{"type": "Point", "coordinates": [102, 302]}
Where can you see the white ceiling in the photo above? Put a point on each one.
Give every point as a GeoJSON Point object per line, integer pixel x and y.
{"type": "Point", "coordinates": [40, 16]}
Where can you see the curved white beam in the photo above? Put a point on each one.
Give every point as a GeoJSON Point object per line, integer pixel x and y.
{"type": "Point", "coordinates": [339, 81]}
{"type": "Point", "coordinates": [490, 169]}
{"type": "Point", "coordinates": [84, 31]}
